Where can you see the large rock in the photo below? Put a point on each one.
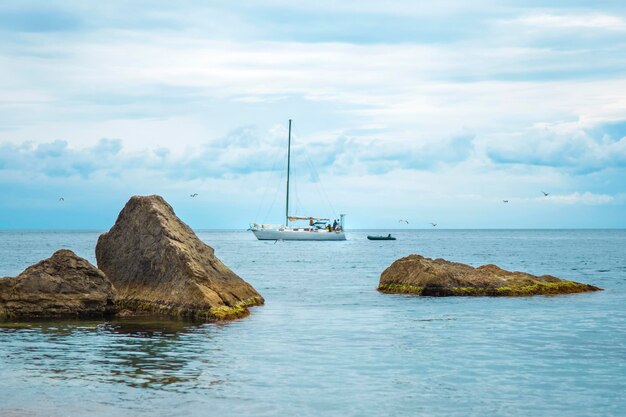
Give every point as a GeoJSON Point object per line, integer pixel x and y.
{"type": "Point", "coordinates": [158, 265]}
{"type": "Point", "coordinates": [62, 285]}
{"type": "Point", "coordinates": [418, 275]}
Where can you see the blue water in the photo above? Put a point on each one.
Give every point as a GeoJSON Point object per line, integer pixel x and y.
{"type": "Point", "coordinates": [327, 343]}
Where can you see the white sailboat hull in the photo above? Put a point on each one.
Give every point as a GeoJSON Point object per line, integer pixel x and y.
{"type": "Point", "coordinates": [297, 234]}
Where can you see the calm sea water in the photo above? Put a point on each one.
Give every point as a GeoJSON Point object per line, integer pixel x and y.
{"type": "Point", "coordinates": [326, 343]}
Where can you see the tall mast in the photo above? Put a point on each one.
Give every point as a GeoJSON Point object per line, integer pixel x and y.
{"type": "Point", "coordinates": [288, 163]}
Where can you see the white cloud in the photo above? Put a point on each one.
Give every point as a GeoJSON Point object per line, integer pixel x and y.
{"type": "Point", "coordinates": [577, 146]}
{"type": "Point", "coordinates": [132, 85]}
{"type": "Point", "coordinates": [501, 109]}
{"type": "Point", "coordinates": [596, 21]}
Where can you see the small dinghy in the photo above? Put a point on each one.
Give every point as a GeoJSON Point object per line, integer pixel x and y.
{"type": "Point", "coordinates": [388, 237]}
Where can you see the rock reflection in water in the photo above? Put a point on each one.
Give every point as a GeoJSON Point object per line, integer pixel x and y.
{"type": "Point", "coordinates": [146, 353]}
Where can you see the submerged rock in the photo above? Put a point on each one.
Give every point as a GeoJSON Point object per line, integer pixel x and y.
{"type": "Point", "coordinates": [418, 275]}
{"type": "Point", "coordinates": [62, 285]}
{"type": "Point", "coordinates": [158, 265]}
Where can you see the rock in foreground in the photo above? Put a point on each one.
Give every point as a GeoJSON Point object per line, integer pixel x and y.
{"type": "Point", "coordinates": [158, 265]}
{"type": "Point", "coordinates": [418, 275]}
{"type": "Point", "coordinates": [62, 285]}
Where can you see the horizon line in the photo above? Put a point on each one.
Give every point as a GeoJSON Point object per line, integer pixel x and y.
{"type": "Point", "coordinates": [347, 230]}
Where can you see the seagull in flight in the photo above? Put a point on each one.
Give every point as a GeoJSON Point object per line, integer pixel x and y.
{"type": "Point", "coordinates": [403, 221]}
{"type": "Point", "coordinates": [505, 201]}
{"type": "Point", "coordinates": [433, 224]}
{"type": "Point", "coordinates": [545, 194]}
{"type": "Point", "coordinates": [61, 199]}
{"type": "Point", "coordinates": [193, 195]}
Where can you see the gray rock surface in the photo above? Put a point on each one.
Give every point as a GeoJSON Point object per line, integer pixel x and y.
{"type": "Point", "coordinates": [158, 265]}
{"type": "Point", "coordinates": [62, 285]}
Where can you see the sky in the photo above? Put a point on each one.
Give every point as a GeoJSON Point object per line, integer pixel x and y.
{"type": "Point", "coordinates": [401, 110]}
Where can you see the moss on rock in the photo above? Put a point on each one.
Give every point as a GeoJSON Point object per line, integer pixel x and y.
{"type": "Point", "coordinates": [158, 265]}
{"type": "Point", "coordinates": [440, 278]}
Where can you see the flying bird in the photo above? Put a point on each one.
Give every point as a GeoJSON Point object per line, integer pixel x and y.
{"type": "Point", "coordinates": [61, 199]}
{"type": "Point", "coordinates": [403, 221]}
{"type": "Point", "coordinates": [505, 201]}
{"type": "Point", "coordinates": [193, 195]}
{"type": "Point", "coordinates": [433, 224]}
{"type": "Point", "coordinates": [545, 194]}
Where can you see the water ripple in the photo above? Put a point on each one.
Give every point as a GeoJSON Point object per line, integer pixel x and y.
{"type": "Point", "coordinates": [327, 343]}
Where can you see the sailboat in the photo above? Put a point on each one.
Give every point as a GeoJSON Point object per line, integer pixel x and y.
{"type": "Point", "coordinates": [315, 228]}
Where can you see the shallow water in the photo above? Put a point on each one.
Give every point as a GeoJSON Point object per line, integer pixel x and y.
{"type": "Point", "coordinates": [326, 343]}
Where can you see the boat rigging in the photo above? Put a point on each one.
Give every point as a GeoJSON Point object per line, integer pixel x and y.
{"type": "Point", "coordinates": [318, 228]}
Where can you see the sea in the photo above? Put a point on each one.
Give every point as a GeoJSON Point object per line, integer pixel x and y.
{"type": "Point", "coordinates": [326, 343]}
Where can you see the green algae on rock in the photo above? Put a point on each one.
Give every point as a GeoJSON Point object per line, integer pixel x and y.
{"type": "Point", "coordinates": [158, 265]}
{"type": "Point", "coordinates": [64, 285]}
{"type": "Point", "coordinates": [418, 275]}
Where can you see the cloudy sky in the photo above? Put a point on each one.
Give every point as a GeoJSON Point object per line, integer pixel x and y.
{"type": "Point", "coordinates": [402, 110]}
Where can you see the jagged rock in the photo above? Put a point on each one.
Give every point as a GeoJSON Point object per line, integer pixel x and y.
{"type": "Point", "coordinates": [158, 265]}
{"type": "Point", "coordinates": [62, 285]}
{"type": "Point", "coordinates": [418, 275]}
